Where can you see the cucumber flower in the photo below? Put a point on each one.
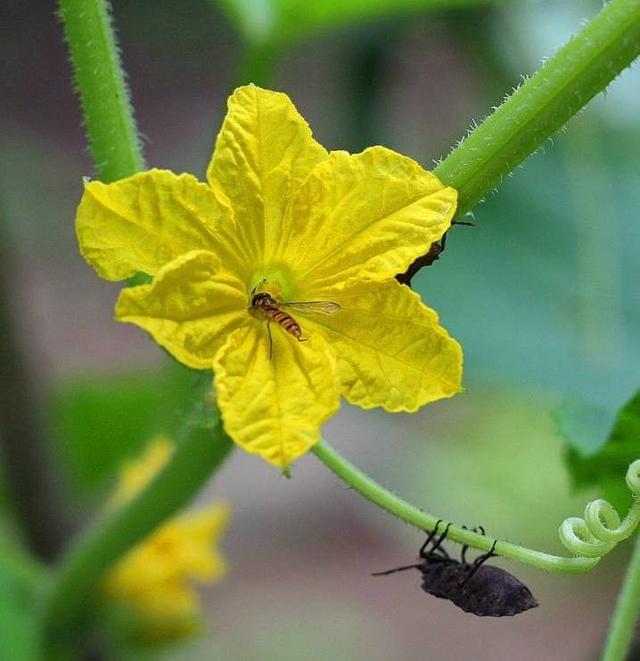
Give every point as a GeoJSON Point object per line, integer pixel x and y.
{"type": "Point", "coordinates": [278, 274]}
{"type": "Point", "coordinates": [155, 579]}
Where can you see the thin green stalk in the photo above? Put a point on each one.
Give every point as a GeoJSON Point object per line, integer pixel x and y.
{"type": "Point", "coordinates": [400, 508]}
{"type": "Point", "coordinates": [626, 612]}
{"type": "Point", "coordinates": [544, 103]}
{"type": "Point", "coordinates": [100, 81]}
{"type": "Point", "coordinates": [115, 147]}
{"type": "Point", "coordinates": [74, 585]}
{"type": "Point", "coordinates": [258, 63]}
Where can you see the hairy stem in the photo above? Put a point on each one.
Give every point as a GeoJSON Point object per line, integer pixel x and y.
{"type": "Point", "coordinates": [544, 103]}
{"type": "Point", "coordinates": [74, 585]}
{"type": "Point", "coordinates": [626, 611]}
{"type": "Point", "coordinates": [100, 82]}
{"type": "Point", "coordinates": [115, 146]}
{"type": "Point", "coordinates": [400, 508]}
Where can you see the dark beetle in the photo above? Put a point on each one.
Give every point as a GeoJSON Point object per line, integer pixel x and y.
{"type": "Point", "coordinates": [477, 588]}
{"type": "Point", "coordinates": [432, 255]}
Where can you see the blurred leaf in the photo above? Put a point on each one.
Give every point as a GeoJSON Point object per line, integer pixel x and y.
{"type": "Point", "coordinates": [99, 421]}
{"type": "Point", "coordinates": [607, 467]}
{"type": "Point", "coordinates": [584, 426]}
{"type": "Point", "coordinates": [287, 21]}
{"type": "Point", "coordinates": [482, 462]}
{"type": "Point", "coordinates": [540, 293]}
{"type": "Point", "coordinates": [627, 426]}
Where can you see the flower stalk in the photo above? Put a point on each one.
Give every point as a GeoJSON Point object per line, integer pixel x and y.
{"type": "Point", "coordinates": [626, 611]}
{"type": "Point", "coordinates": [400, 508]}
{"type": "Point", "coordinates": [101, 85]}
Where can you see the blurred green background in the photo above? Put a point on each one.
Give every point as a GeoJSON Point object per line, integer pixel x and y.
{"type": "Point", "coordinates": [543, 294]}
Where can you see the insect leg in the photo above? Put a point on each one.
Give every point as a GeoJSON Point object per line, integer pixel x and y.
{"type": "Point", "coordinates": [439, 541]}
{"type": "Point", "coordinates": [430, 536]}
{"type": "Point", "coordinates": [483, 558]}
{"type": "Point", "coordinates": [479, 561]}
{"type": "Point", "coordinates": [463, 553]}
{"type": "Point", "coordinates": [393, 571]}
{"type": "Point", "coordinates": [270, 340]}
{"type": "Point", "coordinates": [442, 552]}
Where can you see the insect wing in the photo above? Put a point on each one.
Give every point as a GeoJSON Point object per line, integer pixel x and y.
{"type": "Point", "coordinates": [316, 307]}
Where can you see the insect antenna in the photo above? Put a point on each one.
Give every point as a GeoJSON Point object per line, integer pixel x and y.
{"type": "Point", "coordinates": [434, 252]}
{"type": "Point", "coordinates": [396, 569]}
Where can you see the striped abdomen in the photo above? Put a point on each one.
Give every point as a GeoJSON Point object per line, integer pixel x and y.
{"type": "Point", "coordinates": [271, 310]}
{"type": "Point", "coordinates": [283, 319]}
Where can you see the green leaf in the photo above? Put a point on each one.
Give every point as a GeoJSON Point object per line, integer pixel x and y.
{"type": "Point", "coordinates": [584, 426]}
{"type": "Point", "coordinates": [627, 427]}
{"type": "Point", "coordinates": [607, 467]}
{"type": "Point", "coordinates": [99, 421]}
{"type": "Point", "coordinates": [287, 21]}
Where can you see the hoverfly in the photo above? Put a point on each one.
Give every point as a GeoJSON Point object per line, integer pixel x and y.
{"type": "Point", "coordinates": [272, 311]}
{"type": "Point", "coordinates": [475, 587]}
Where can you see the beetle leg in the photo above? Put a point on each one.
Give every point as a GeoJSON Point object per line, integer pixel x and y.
{"type": "Point", "coordinates": [439, 541]}
{"type": "Point", "coordinates": [479, 561]}
{"type": "Point", "coordinates": [430, 536]}
{"type": "Point", "coordinates": [465, 548]}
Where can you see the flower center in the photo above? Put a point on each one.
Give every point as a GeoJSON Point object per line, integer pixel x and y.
{"type": "Point", "coordinates": [275, 280]}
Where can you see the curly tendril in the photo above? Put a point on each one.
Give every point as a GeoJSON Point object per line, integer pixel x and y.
{"type": "Point", "coordinates": [601, 528]}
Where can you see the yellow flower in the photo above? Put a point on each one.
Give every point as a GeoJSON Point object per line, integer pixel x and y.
{"type": "Point", "coordinates": [282, 216]}
{"type": "Point", "coordinates": [154, 578]}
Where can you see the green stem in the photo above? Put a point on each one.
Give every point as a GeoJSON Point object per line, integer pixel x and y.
{"type": "Point", "coordinates": [626, 611]}
{"type": "Point", "coordinates": [377, 494]}
{"type": "Point", "coordinates": [544, 103]}
{"type": "Point", "coordinates": [100, 81]}
{"type": "Point", "coordinates": [115, 147]}
{"type": "Point", "coordinates": [258, 63]}
{"type": "Point", "coordinates": [74, 585]}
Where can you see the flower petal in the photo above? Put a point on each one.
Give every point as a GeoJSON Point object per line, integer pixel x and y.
{"type": "Point", "coordinates": [189, 308]}
{"type": "Point", "coordinates": [143, 222]}
{"type": "Point", "coordinates": [263, 153]}
{"type": "Point", "coordinates": [198, 531]}
{"type": "Point", "coordinates": [365, 216]}
{"type": "Point", "coordinates": [391, 350]}
{"type": "Point", "coordinates": [274, 407]}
